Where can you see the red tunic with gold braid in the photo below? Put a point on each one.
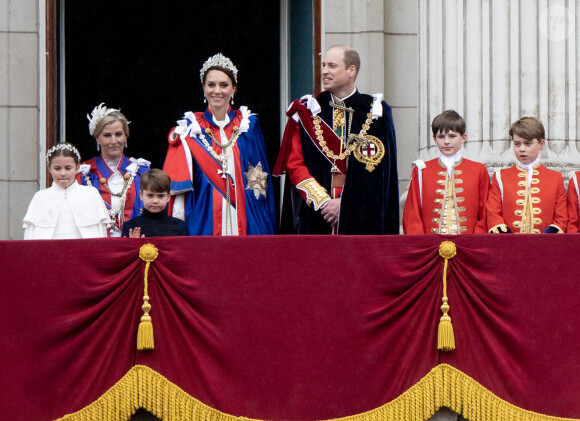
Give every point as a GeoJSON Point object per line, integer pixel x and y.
{"type": "Point", "coordinates": [441, 204]}
{"type": "Point", "coordinates": [573, 207]}
{"type": "Point", "coordinates": [526, 209]}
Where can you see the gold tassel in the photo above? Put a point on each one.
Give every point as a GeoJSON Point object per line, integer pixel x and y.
{"type": "Point", "coordinates": [145, 332]}
{"type": "Point", "coordinates": [148, 253]}
{"type": "Point", "coordinates": [445, 337]}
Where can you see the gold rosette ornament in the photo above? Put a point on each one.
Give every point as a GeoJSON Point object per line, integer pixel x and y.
{"type": "Point", "coordinates": [147, 253]}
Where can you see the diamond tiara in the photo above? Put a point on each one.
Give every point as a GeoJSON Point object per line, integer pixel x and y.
{"type": "Point", "coordinates": [60, 147]}
{"type": "Point", "coordinates": [219, 60]}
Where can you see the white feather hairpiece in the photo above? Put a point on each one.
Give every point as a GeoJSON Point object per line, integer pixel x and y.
{"type": "Point", "coordinates": [98, 113]}
{"type": "Point", "coordinates": [219, 60]}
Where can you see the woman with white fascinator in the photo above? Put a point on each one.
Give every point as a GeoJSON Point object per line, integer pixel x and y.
{"type": "Point", "coordinates": [221, 183]}
{"type": "Point", "coordinates": [114, 175]}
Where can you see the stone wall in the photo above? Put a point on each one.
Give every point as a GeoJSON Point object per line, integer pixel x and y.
{"type": "Point", "coordinates": [384, 32]}
{"type": "Point", "coordinates": [19, 112]}
{"type": "Point", "coordinates": [492, 61]}
{"type": "Point", "coordinates": [497, 62]}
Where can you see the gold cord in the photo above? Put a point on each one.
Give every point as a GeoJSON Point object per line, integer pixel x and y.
{"type": "Point", "coordinates": [445, 337]}
{"type": "Point", "coordinates": [147, 253]}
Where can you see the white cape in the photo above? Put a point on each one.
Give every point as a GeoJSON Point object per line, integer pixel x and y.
{"type": "Point", "coordinates": [88, 210]}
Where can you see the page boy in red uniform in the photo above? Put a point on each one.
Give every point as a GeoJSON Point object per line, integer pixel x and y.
{"type": "Point", "coordinates": [447, 195]}
{"type": "Point", "coordinates": [527, 198]}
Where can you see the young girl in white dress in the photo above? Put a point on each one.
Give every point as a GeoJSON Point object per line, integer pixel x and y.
{"type": "Point", "coordinates": [67, 209]}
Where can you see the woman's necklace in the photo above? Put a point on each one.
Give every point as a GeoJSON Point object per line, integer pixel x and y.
{"type": "Point", "coordinates": [127, 179]}
{"type": "Point", "coordinates": [224, 147]}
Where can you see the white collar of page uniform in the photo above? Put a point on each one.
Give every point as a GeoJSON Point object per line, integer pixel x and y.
{"type": "Point", "coordinates": [529, 168]}
{"type": "Point", "coordinates": [450, 161]}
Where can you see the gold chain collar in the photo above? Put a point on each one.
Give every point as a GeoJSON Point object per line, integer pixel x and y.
{"type": "Point", "coordinates": [352, 139]}
{"type": "Point", "coordinates": [127, 180]}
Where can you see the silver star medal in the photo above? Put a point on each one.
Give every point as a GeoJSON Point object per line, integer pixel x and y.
{"type": "Point", "coordinates": [257, 180]}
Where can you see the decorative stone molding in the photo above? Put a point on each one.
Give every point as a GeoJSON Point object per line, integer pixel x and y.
{"type": "Point", "coordinates": [497, 61]}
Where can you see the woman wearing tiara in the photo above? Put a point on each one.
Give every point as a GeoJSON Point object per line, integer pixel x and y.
{"type": "Point", "coordinates": [221, 184]}
{"type": "Point", "coordinates": [65, 210]}
{"type": "Point", "coordinates": [114, 175]}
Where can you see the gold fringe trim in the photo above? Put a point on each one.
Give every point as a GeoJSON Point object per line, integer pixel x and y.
{"type": "Point", "coordinates": [147, 253]}
{"type": "Point", "coordinates": [445, 336]}
{"type": "Point", "coordinates": [466, 396]}
{"type": "Point", "coordinates": [443, 386]}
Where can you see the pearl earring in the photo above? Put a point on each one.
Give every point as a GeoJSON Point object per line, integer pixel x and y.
{"type": "Point", "coordinates": [98, 147]}
{"type": "Point", "coordinates": [126, 144]}
{"type": "Point", "coordinates": [204, 99]}
{"type": "Point", "coordinates": [232, 99]}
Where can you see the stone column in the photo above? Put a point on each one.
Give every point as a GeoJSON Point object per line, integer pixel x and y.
{"type": "Point", "coordinates": [495, 61]}
{"type": "Point", "coordinates": [19, 154]}
{"type": "Point", "coordinates": [358, 24]}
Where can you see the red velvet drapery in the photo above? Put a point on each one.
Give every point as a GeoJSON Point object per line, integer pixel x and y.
{"type": "Point", "coordinates": [287, 327]}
